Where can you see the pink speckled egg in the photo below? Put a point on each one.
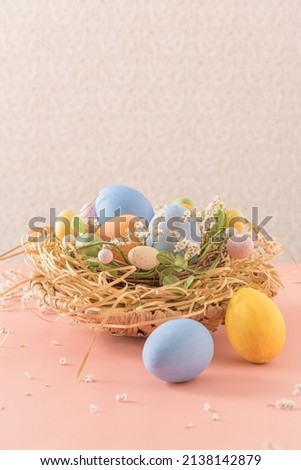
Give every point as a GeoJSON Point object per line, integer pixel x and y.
{"type": "Point", "coordinates": [88, 210]}
{"type": "Point", "coordinates": [240, 246]}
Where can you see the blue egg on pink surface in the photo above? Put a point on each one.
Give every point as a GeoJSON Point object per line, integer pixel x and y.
{"type": "Point", "coordinates": [118, 199]}
{"type": "Point", "coordinates": [178, 350]}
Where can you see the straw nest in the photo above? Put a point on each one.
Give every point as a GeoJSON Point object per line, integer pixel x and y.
{"type": "Point", "coordinates": [126, 301]}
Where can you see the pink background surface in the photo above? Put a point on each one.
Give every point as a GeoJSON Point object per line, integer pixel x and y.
{"type": "Point", "coordinates": [156, 414]}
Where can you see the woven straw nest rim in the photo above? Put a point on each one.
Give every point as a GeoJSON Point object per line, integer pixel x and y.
{"type": "Point", "coordinates": [127, 305]}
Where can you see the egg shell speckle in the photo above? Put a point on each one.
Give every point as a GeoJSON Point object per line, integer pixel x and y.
{"type": "Point", "coordinates": [144, 257]}
{"type": "Point", "coordinates": [178, 350]}
{"type": "Point", "coordinates": [240, 246]}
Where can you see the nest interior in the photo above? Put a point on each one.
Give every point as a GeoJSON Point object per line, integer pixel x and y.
{"type": "Point", "coordinates": [125, 301]}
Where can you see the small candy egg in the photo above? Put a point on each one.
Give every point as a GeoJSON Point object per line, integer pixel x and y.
{"type": "Point", "coordinates": [83, 246]}
{"type": "Point", "coordinates": [105, 256]}
{"type": "Point", "coordinates": [178, 350]}
{"type": "Point", "coordinates": [120, 199]}
{"type": "Point", "coordinates": [68, 240]}
{"type": "Point", "coordinates": [62, 226]}
{"type": "Point", "coordinates": [88, 210]}
{"type": "Point", "coordinates": [185, 202]}
{"type": "Point", "coordinates": [239, 246]}
{"type": "Point", "coordinates": [143, 257]}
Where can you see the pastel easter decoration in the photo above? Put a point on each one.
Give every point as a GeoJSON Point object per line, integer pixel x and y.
{"type": "Point", "coordinates": [236, 219]}
{"type": "Point", "coordinates": [255, 326]}
{"type": "Point", "coordinates": [143, 257]}
{"type": "Point", "coordinates": [88, 210]}
{"type": "Point", "coordinates": [62, 226]}
{"type": "Point", "coordinates": [117, 199]}
{"type": "Point", "coordinates": [185, 202]}
{"type": "Point", "coordinates": [178, 350]}
{"type": "Point", "coordinates": [87, 245]}
{"type": "Point", "coordinates": [239, 246]}
{"type": "Point", "coordinates": [170, 226]}
{"type": "Point", "coordinates": [105, 256]}
{"type": "Point", "coordinates": [122, 230]}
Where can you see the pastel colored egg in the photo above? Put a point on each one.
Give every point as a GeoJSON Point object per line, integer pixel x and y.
{"type": "Point", "coordinates": [105, 256]}
{"type": "Point", "coordinates": [239, 246]}
{"type": "Point", "coordinates": [236, 219]}
{"type": "Point", "coordinates": [117, 199]}
{"type": "Point", "coordinates": [85, 244]}
{"type": "Point", "coordinates": [185, 202]}
{"type": "Point", "coordinates": [169, 226]}
{"type": "Point", "coordinates": [88, 210]}
{"type": "Point", "coordinates": [178, 350]}
{"type": "Point", "coordinates": [62, 226]}
{"type": "Point", "coordinates": [143, 257]}
{"type": "Point", "coordinates": [123, 228]}
{"type": "Point", "coordinates": [255, 326]}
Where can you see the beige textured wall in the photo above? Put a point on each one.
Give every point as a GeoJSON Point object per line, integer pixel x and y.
{"type": "Point", "coordinates": [178, 97]}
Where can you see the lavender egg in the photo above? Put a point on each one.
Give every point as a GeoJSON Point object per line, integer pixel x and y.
{"type": "Point", "coordinates": [88, 211]}
{"type": "Point", "coordinates": [178, 350]}
{"type": "Point", "coordinates": [239, 246]}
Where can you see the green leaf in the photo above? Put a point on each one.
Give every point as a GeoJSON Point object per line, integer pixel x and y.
{"type": "Point", "coordinates": [170, 279]}
{"type": "Point", "coordinates": [188, 282]}
{"type": "Point", "coordinates": [78, 224]}
{"type": "Point", "coordinates": [220, 220]}
{"type": "Point", "coordinates": [165, 257]}
{"type": "Point", "coordinates": [181, 262]}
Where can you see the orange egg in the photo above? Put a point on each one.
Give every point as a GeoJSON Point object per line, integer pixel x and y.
{"type": "Point", "coordinates": [122, 227]}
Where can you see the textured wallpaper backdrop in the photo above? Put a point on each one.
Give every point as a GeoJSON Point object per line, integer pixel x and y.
{"type": "Point", "coordinates": [175, 97]}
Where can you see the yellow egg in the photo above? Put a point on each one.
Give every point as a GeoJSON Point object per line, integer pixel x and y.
{"type": "Point", "coordinates": [63, 227]}
{"type": "Point", "coordinates": [255, 326]}
{"type": "Point", "coordinates": [185, 202]}
{"type": "Point", "coordinates": [236, 219]}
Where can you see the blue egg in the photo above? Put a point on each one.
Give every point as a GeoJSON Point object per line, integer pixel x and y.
{"type": "Point", "coordinates": [117, 199]}
{"type": "Point", "coordinates": [171, 219]}
{"type": "Point", "coordinates": [178, 350]}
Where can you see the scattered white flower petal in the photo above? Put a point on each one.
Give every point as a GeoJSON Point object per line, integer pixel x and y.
{"type": "Point", "coordinates": [26, 394]}
{"type": "Point", "coordinates": [62, 361]}
{"type": "Point", "coordinates": [189, 425]}
{"type": "Point", "coordinates": [54, 342]}
{"type": "Point", "coordinates": [27, 375]}
{"type": "Point", "coordinates": [93, 408]}
{"type": "Point", "coordinates": [285, 404]}
{"type": "Point", "coordinates": [215, 417]}
{"type": "Point", "coordinates": [88, 378]}
{"type": "Point", "coordinates": [267, 445]}
{"type": "Point", "coordinates": [297, 389]}
{"type": "Point", "coordinates": [207, 406]}
{"type": "Point", "coordinates": [121, 397]}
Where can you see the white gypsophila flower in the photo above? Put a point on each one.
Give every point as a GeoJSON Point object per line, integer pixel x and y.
{"type": "Point", "coordinates": [189, 248]}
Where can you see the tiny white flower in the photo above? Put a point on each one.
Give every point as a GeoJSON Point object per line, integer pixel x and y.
{"type": "Point", "coordinates": [62, 361]}
{"type": "Point", "coordinates": [207, 406]}
{"type": "Point", "coordinates": [121, 397]}
{"type": "Point", "coordinates": [93, 408]}
{"type": "Point", "coordinates": [88, 378]}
